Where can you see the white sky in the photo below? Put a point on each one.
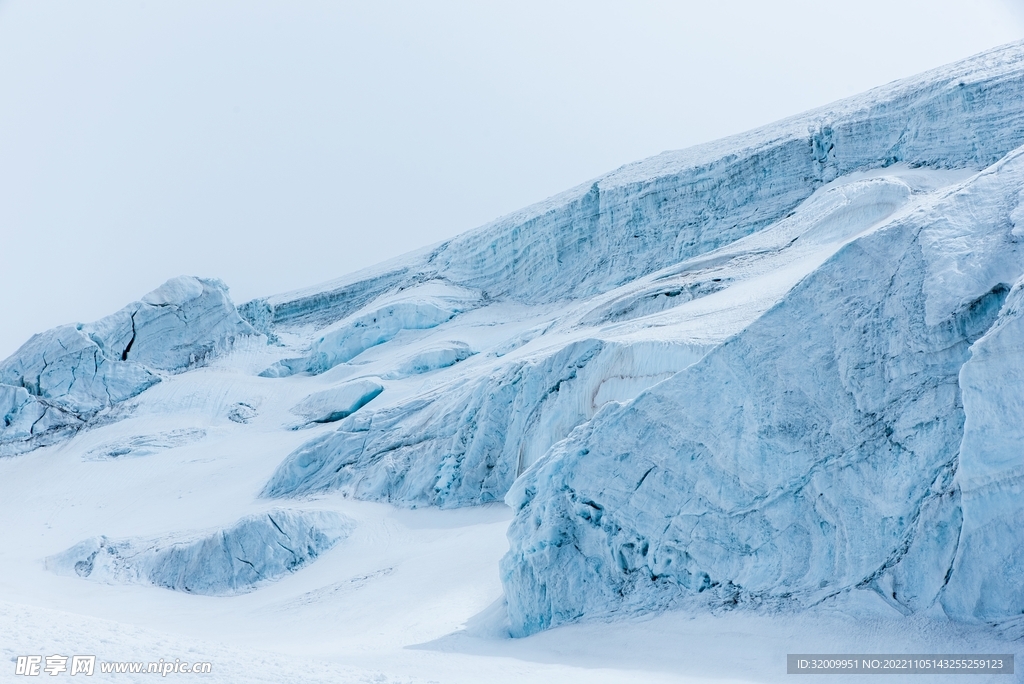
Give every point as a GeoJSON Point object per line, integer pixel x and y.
{"type": "Point", "coordinates": [280, 144]}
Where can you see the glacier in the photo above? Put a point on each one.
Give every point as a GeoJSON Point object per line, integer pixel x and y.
{"type": "Point", "coordinates": [466, 444]}
{"type": "Point", "coordinates": [770, 373]}
{"type": "Point", "coordinates": [812, 453]}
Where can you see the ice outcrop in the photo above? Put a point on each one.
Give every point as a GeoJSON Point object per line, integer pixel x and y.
{"type": "Point", "coordinates": [257, 549]}
{"type": "Point", "coordinates": [60, 379]}
{"type": "Point", "coordinates": [364, 331]}
{"type": "Point", "coordinates": [465, 444]}
{"type": "Point", "coordinates": [609, 348]}
{"type": "Point", "coordinates": [432, 358]}
{"type": "Point", "coordinates": [819, 314]}
{"type": "Point", "coordinates": [812, 453]}
{"type": "Point", "coordinates": [339, 402]}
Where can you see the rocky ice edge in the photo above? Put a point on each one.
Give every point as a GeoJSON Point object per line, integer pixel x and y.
{"type": "Point", "coordinates": [59, 380]}
{"type": "Point", "coordinates": [813, 453]}
{"type": "Point", "coordinates": [256, 550]}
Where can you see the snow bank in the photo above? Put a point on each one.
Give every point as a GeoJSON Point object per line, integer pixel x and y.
{"type": "Point", "coordinates": [61, 378]}
{"type": "Point", "coordinates": [813, 453]}
{"type": "Point", "coordinates": [257, 549]}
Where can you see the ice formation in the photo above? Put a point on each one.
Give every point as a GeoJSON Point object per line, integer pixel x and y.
{"type": "Point", "coordinates": [257, 549]}
{"type": "Point", "coordinates": [433, 358]}
{"type": "Point", "coordinates": [812, 453]}
{"type": "Point", "coordinates": [336, 403]}
{"type": "Point", "coordinates": [62, 378]}
{"type": "Point", "coordinates": [767, 372]}
{"type": "Point", "coordinates": [368, 330]}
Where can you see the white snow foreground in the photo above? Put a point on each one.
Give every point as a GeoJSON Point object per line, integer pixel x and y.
{"type": "Point", "coordinates": [780, 372]}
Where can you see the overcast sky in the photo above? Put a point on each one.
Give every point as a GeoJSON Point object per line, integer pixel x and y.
{"type": "Point", "coordinates": [279, 144]}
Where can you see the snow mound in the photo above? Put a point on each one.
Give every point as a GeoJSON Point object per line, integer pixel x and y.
{"type": "Point", "coordinates": [60, 379]}
{"type": "Point", "coordinates": [256, 550]}
{"type": "Point", "coordinates": [336, 403]}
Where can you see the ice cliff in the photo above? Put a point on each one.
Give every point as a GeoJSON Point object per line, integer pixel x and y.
{"type": "Point", "coordinates": [766, 373]}
{"type": "Point", "coordinates": [657, 212]}
{"type": "Point", "coordinates": [814, 452]}
{"type": "Point", "coordinates": [465, 444]}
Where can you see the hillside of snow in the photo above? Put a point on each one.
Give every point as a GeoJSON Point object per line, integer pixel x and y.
{"type": "Point", "coordinates": [771, 386]}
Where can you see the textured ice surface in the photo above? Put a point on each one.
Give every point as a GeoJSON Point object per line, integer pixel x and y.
{"type": "Point", "coordinates": [465, 444]}
{"type": "Point", "coordinates": [60, 379]}
{"type": "Point", "coordinates": [771, 372]}
{"type": "Point", "coordinates": [812, 453]}
{"type": "Point", "coordinates": [339, 402]}
{"type": "Point", "coordinates": [257, 549]}
{"type": "Point", "coordinates": [985, 583]}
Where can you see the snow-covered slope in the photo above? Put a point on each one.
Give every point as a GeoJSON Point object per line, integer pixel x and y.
{"type": "Point", "coordinates": [779, 372]}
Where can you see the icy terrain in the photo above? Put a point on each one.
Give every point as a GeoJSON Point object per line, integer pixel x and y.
{"type": "Point", "coordinates": [771, 385]}
{"type": "Point", "coordinates": [62, 378]}
{"type": "Point", "coordinates": [257, 549]}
